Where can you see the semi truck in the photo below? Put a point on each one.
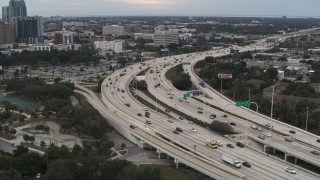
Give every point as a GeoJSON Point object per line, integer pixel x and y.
{"type": "Point", "coordinates": [211, 144]}
{"type": "Point", "coordinates": [231, 160]}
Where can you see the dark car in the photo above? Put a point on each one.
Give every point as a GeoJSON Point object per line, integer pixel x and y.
{"type": "Point", "coordinates": [246, 164]}
{"type": "Point", "coordinates": [318, 140]}
{"type": "Point", "coordinates": [179, 129]}
{"type": "Point", "coordinates": [127, 104]}
{"type": "Point", "coordinates": [147, 113]}
{"type": "Point", "coordinates": [240, 144]}
{"type": "Point", "coordinates": [148, 122]}
{"type": "Point", "coordinates": [233, 124]}
{"type": "Point", "coordinates": [200, 112]}
{"type": "Point", "coordinates": [139, 114]}
{"type": "Point", "coordinates": [180, 117]}
{"type": "Point", "coordinates": [122, 91]}
{"type": "Point", "coordinates": [315, 152]}
{"type": "Point", "coordinates": [225, 116]}
{"type": "Point", "coordinates": [132, 126]}
{"type": "Point", "coordinates": [230, 146]}
{"type": "Point", "coordinates": [167, 110]}
{"type": "Point", "coordinates": [212, 116]}
{"type": "Point", "coordinates": [292, 132]}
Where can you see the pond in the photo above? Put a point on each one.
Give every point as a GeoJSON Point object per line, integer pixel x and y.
{"type": "Point", "coordinates": [19, 101]}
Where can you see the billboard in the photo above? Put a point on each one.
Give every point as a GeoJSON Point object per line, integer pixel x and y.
{"type": "Point", "coordinates": [224, 76]}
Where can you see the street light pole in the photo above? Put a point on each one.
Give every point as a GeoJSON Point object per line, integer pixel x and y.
{"type": "Point", "coordinates": [307, 119]}
{"type": "Point", "coordinates": [272, 102]}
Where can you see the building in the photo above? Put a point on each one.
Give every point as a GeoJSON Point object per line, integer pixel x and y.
{"type": "Point", "coordinates": [5, 13]}
{"type": "Point", "coordinates": [160, 28]}
{"type": "Point", "coordinates": [113, 30]}
{"type": "Point", "coordinates": [280, 75]}
{"type": "Point", "coordinates": [143, 36]}
{"type": "Point", "coordinates": [165, 38]}
{"type": "Point", "coordinates": [6, 33]}
{"type": "Point", "coordinates": [63, 37]}
{"type": "Point", "coordinates": [16, 8]}
{"type": "Point", "coordinates": [28, 30]}
{"type": "Point", "coordinates": [133, 28]}
{"type": "Point", "coordinates": [106, 46]}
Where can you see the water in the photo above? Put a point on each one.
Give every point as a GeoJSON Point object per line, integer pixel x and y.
{"type": "Point", "coordinates": [20, 102]}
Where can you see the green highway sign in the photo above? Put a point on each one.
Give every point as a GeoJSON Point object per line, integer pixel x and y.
{"type": "Point", "coordinates": [243, 103]}
{"type": "Point", "coordinates": [186, 94]}
{"type": "Point", "coordinates": [187, 63]}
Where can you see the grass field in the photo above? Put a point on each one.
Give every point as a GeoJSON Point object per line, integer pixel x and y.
{"type": "Point", "coordinates": [168, 172]}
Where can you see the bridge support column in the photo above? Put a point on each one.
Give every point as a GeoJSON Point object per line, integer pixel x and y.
{"type": "Point", "coordinates": [285, 157]}
{"type": "Point", "coordinates": [159, 152]}
{"type": "Point", "coordinates": [167, 156]}
{"type": "Point", "coordinates": [296, 160]}
{"type": "Point", "coordinates": [264, 148]}
{"type": "Point", "coordinates": [141, 143]}
{"type": "Point", "coordinates": [274, 150]}
{"type": "Point", "coordinates": [176, 162]}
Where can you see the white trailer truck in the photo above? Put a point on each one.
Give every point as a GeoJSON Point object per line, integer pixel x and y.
{"type": "Point", "coordinates": [231, 160]}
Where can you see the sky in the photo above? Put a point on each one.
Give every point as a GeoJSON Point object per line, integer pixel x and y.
{"type": "Point", "coordinates": [296, 8]}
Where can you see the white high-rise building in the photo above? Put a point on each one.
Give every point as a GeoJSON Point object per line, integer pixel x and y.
{"type": "Point", "coordinates": [114, 30]}
{"type": "Point", "coordinates": [165, 38]}
{"type": "Point", "coordinates": [115, 46]}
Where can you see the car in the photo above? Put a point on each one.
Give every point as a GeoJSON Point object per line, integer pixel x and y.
{"type": "Point", "coordinates": [127, 104]}
{"type": "Point", "coordinates": [139, 114]}
{"type": "Point", "coordinates": [179, 129]}
{"type": "Point", "coordinates": [176, 132]}
{"type": "Point", "coordinates": [246, 164]}
{"type": "Point", "coordinates": [224, 115]}
{"type": "Point", "coordinates": [292, 132]}
{"type": "Point", "coordinates": [167, 110]}
{"type": "Point", "coordinates": [148, 122]}
{"type": "Point", "coordinates": [200, 112]}
{"type": "Point", "coordinates": [200, 108]}
{"type": "Point", "coordinates": [219, 143]}
{"type": "Point", "coordinates": [171, 97]}
{"type": "Point", "coordinates": [187, 101]}
{"type": "Point", "coordinates": [122, 91]}
{"type": "Point", "coordinates": [180, 100]}
{"type": "Point", "coordinates": [291, 170]}
{"type": "Point", "coordinates": [318, 140]}
{"type": "Point", "coordinates": [190, 122]}
{"type": "Point", "coordinates": [14, 145]}
{"type": "Point", "coordinates": [240, 144]}
{"type": "Point", "coordinates": [170, 120]}
{"type": "Point", "coordinates": [267, 134]}
{"type": "Point", "coordinates": [193, 130]}
{"type": "Point", "coordinates": [132, 126]}
{"type": "Point", "coordinates": [118, 89]}
{"type": "Point", "coordinates": [145, 109]}
{"type": "Point", "coordinates": [180, 117]}
{"type": "Point", "coordinates": [261, 136]}
{"type": "Point", "coordinates": [315, 152]}
{"type": "Point", "coordinates": [155, 86]}
{"type": "Point", "coordinates": [230, 146]}
{"type": "Point", "coordinates": [212, 116]}
{"type": "Point", "coordinates": [269, 125]}
{"type": "Point", "coordinates": [233, 124]}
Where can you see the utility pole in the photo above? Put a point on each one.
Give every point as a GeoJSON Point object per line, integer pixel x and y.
{"type": "Point", "coordinates": [307, 119]}
{"type": "Point", "coordinates": [272, 101]}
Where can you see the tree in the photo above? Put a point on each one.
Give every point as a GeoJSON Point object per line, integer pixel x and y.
{"type": "Point", "coordinates": [221, 127]}
{"type": "Point", "coordinates": [29, 164]}
{"type": "Point", "coordinates": [6, 129]}
{"type": "Point", "coordinates": [62, 169]}
{"type": "Point", "coordinates": [31, 138]}
{"type": "Point", "coordinates": [43, 144]}
{"type": "Point", "coordinates": [76, 149]}
{"type": "Point", "coordinates": [26, 137]}
{"type": "Point", "coordinates": [54, 152]}
{"type": "Point", "coordinates": [12, 131]}
{"type": "Point", "coordinates": [272, 73]}
{"type": "Point", "coordinates": [20, 150]}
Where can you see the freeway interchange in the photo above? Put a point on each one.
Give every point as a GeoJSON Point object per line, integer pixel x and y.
{"type": "Point", "coordinates": [120, 107]}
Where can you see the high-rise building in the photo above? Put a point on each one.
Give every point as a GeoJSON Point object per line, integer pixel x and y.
{"type": "Point", "coordinates": [63, 37]}
{"type": "Point", "coordinates": [28, 29]}
{"type": "Point", "coordinates": [113, 30]}
{"type": "Point", "coordinates": [165, 38]}
{"type": "Point", "coordinates": [6, 33]}
{"type": "Point", "coordinates": [5, 13]}
{"type": "Point", "coordinates": [16, 8]}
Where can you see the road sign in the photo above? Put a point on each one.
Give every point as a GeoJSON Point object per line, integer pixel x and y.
{"type": "Point", "coordinates": [224, 76]}
{"type": "Point", "coordinates": [243, 103]}
{"type": "Point", "coordinates": [187, 63]}
{"type": "Point", "coordinates": [186, 94]}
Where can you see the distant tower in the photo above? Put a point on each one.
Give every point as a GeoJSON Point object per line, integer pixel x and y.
{"type": "Point", "coordinates": [16, 8]}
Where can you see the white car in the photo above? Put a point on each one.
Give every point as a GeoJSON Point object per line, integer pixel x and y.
{"type": "Point", "coordinates": [193, 130]}
{"type": "Point", "coordinates": [190, 122]}
{"type": "Point", "coordinates": [291, 170]}
{"type": "Point", "coordinates": [219, 143]}
{"type": "Point", "coordinates": [267, 135]}
{"type": "Point", "coordinates": [145, 109]}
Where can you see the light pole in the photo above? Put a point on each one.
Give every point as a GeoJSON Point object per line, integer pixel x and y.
{"type": "Point", "coordinates": [307, 118]}
{"type": "Point", "coordinates": [272, 102]}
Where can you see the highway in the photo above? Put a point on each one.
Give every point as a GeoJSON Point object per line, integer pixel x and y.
{"type": "Point", "coordinates": [115, 94]}
{"type": "Point", "coordinates": [159, 122]}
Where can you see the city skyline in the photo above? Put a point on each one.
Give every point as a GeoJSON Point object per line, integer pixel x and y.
{"type": "Point", "coordinates": [293, 8]}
